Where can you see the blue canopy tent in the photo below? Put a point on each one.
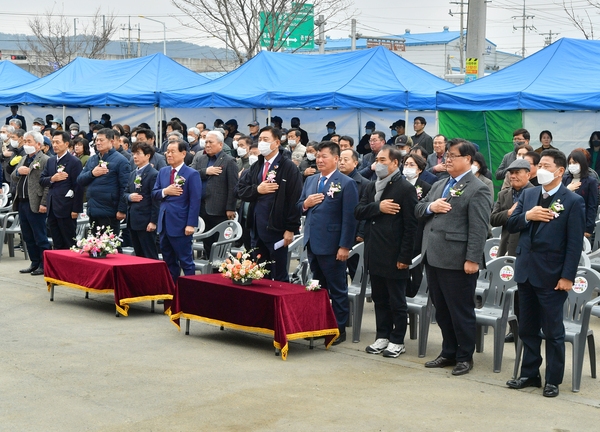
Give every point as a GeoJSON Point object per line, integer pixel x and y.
{"type": "Point", "coordinates": [368, 79]}
{"type": "Point", "coordinates": [12, 75]}
{"type": "Point", "coordinates": [94, 83]}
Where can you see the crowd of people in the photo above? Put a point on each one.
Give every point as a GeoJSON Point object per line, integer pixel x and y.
{"type": "Point", "coordinates": [402, 196]}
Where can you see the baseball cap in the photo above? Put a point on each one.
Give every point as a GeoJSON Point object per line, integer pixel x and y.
{"type": "Point", "coordinates": [254, 123]}
{"type": "Point", "coordinates": [39, 120]}
{"type": "Point", "coordinates": [231, 122]}
{"type": "Point", "coordinates": [370, 124]}
{"type": "Point", "coordinates": [331, 124]}
{"type": "Point", "coordinates": [402, 140]}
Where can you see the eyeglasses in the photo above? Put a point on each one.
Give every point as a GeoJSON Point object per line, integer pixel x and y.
{"type": "Point", "coordinates": [451, 156]}
{"type": "Point", "coordinates": [374, 140]}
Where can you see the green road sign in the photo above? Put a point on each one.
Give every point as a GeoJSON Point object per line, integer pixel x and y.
{"type": "Point", "coordinates": [289, 30]}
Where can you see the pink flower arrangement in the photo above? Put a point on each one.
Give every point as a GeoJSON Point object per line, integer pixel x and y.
{"type": "Point", "coordinates": [103, 243]}
{"type": "Point", "coordinates": [241, 267]}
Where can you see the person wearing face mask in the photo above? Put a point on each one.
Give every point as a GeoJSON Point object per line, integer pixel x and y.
{"type": "Point", "coordinates": [308, 166]}
{"type": "Point", "coordinates": [14, 109]}
{"type": "Point", "coordinates": [272, 186]}
{"type": "Point", "coordinates": [57, 124]}
{"type": "Point", "coordinates": [388, 207]}
{"type": "Point", "coordinates": [18, 152]}
{"type": "Point", "coordinates": [364, 146]}
{"type": "Point", "coordinates": [38, 124]}
{"type": "Point", "coordinates": [298, 150]}
{"type": "Point", "coordinates": [397, 129]}
{"type": "Point", "coordinates": [579, 180]}
{"type": "Point", "coordinates": [480, 169]}
{"type": "Point", "coordinates": [30, 201]}
{"type": "Point", "coordinates": [376, 142]}
{"type": "Point", "coordinates": [74, 128]}
{"type": "Point", "coordinates": [193, 138]}
{"type": "Point", "coordinates": [243, 151]}
{"type": "Point", "coordinates": [330, 131]}
{"type": "Point", "coordinates": [520, 137]}
{"type": "Point", "coordinates": [551, 220]}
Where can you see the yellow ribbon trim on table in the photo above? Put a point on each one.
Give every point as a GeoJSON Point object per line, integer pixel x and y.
{"type": "Point", "coordinates": [51, 281]}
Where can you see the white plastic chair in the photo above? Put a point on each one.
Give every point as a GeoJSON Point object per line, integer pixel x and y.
{"type": "Point", "coordinates": [229, 231]}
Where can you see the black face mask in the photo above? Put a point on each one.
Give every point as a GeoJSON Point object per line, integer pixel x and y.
{"type": "Point", "coordinates": [596, 143]}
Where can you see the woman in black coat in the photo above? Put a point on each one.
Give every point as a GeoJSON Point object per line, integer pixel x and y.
{"type": "Point", "coordinates": [578, 179]}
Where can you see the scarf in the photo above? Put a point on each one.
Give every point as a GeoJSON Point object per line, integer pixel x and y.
{"type": "Point", "coordinates": [381, 183]}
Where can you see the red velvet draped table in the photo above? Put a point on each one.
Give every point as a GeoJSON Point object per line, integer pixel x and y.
{"type": "Point", "coordinates": [284, 310]}
{"type": "Point", "coordinates": [132, 279]}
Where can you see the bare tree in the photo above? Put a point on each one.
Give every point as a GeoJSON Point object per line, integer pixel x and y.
{"type": "Point", "coordinates": [54, 42]}
{"type": "Point", "coordinates": [583, 24]}
{"type": "Point", "coordinates": [238, 23]}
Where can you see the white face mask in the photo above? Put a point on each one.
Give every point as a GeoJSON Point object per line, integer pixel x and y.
{"type": "Point", "coordinates": [252, 159]}
{"type": "Point", "coordinates": [133, 140]}
{"type": "Point", "coordinates": [403, 152]}
{"type": "Point", "coordinates": [14, 143]}
{"type": "Point", "coordinates": [3, 136]}
{"type": "Point", "coordinates": [241, 151]}
{"type": "Point", "coordinates": [202, 142]}
{"type": "Point", "coordinates": [235, 145]}
{"type": "Point", "coordinates": [55, 125]}
{"type": "Point", "coordinates": [29, 149]}
{"type": "Point", "coordinates": [37, 128]}
{"type": "Point", "coordinates": [292, 143]}
{"type": "Point", "coordinates": [410, 173]}
{"type": "Point", "coordinates": [544, 176]}
{"type": "Point", "coordinates": [264, 148]}
{"type": "Point", "coordinates": [474, 169]}
{"type": "Point", "coordinates": [94, 135]}
{"type": "Point", "coordinates": [574, 169]}
{"type": "Point", "coordinates": [311, 156]}
{"type": "Point", "coordinates": [191, 138]}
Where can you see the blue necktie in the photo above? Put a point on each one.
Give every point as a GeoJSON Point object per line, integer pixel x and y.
{"type": "Point", "coordinates": [451, 183]}
{"type": "Point", "coordinates": [321, 184]}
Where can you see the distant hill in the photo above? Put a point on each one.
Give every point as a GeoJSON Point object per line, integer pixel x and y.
{"type": "Point", "coordinates": [175, 49]}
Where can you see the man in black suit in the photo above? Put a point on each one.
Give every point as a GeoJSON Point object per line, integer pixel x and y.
{"type": "Point", "coordinates": [272, 187]}
{"type": "Point", "coordinates": [388, 207]}
{"type": "Point", "coordinates": [65, 195]}
{"type": "Point", "coordinates": [219, 174]}
{"type": "Point", "coordinates": [551, 220]}
{"type": "Point", "coordinates": [142, 210]}
{"type": "Point", "coordinates": [14, 109]}
{"type": "Point", "coordinates": [295, 123]}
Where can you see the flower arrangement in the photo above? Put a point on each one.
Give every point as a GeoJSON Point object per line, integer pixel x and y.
{"type": "Point", "coordinates": [103, 243]}
{"type": "Point", "coordinates": [270, 178]}
{"type": "Point", "coordinates": [556, 208]}
{"type": "Point", "coordinates": [60, 168]}
{"type": "Point", "coordinates": [313, 285]}
{"type": "Point", "coordinates": [419, 190]}
{"type": "Point", "coordinates": [138, 181]}
{"type": "Point", "coordinates": [456, 191]}
{"type": "Point", "coordinates": [35, 165]}
{"type": "Point", "coordinates": [242, 269]}
{"type": "Point", "coordinates": [333, 189]}
{"type": "Point", "coordinates": [102, 163]}
{"type": "Point", "coordinates": [179, 181]}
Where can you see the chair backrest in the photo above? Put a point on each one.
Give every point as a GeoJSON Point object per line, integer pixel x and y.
{"type": "Point", "coordinates": [491, 249]}
{"type": "Point", "coordinates": [596, 243]}
{"type": "Point", "coordinates": [358, 249]}
{"type": "Point", "coordinates": [586, 281]}
{"type": "Point", "coordinates": [587, 246]}
{"type": "Point", "coordinates": [229, 231]}
{"type": "Point", "coordinates": [584, 260]}
{"type": "Point", "coordinates": [199, 229]}
{"type": "Point", "coordinates": [496, 232]}
{"type": "Point", "coordinates": [5, 195]}
{"type": "Point", "coordinates": [501, 274]}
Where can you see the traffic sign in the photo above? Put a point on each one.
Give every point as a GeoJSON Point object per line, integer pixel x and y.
{"type": "Point", "coordinates": [289, 30]}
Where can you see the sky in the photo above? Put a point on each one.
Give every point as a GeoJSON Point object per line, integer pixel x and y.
{"type": "Point", "coordinates": [374, 18]}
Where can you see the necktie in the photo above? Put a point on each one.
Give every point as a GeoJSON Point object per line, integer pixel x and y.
{"type": "Point", "coordinates": [265, 171]}
{"type": "Point", "coordinates": [173, 172]}
{"type": "Point", "coordinates": [321, 186]}
{"type": "Point", "coordinates": [451, 183]}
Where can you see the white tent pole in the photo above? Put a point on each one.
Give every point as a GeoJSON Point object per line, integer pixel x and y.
{"type": "Point", "coordinates": [155, 115]}
{"type": "Point", "coordinates": [405, 121]}
{"type": "Point", "coordinates": [64, 115]}
{"type": "Point", "coordinates": [269, 113]}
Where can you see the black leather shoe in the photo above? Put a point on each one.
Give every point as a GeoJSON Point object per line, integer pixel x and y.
{"type": "Point", "coordinates": [523, 382]}
{"type": "Point", "coordinates": [509, 338]}
{"type": "Point", "coordinates": [28, 269]}
{"type": "Point", "coordinates": [440, 362]}
{"type": "Point", "coordinates": [38, 271]}
{"type": "Point", "coordinates": [462, 368]}
{"type": "Point", "coordinates": [550, 390]}
{"type": "Point", "coordinates": [341, 338]}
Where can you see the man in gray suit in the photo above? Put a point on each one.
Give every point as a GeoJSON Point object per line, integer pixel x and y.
{"type": "Point", "coordinates": [219, 174]}
{"type": "Point", "coordinates": [457, 214]}
{"type": "Point", "coordinates": [436, 161]}
{"type": "Point", "coordinates": [30, 201]}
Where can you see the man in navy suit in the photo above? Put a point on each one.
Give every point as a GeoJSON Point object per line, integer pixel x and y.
{"type": "Point", "coordinates": [272, 188]}
{"type": "Point", "coordinates": [328, 200]}
{"type": "Point", "coordinates": [178, 190]}
{"type": "Point", "coordinates": [142, 211]}
{"type": "Point", "coordinates": [65, 195]}
{"type": "Point", "coordinates": [14, 109]}
{"type": "Point", "coordinates": [551, 220]}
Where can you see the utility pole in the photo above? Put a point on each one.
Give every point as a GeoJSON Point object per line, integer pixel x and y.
{"type": "Point", "coordinates": [321, 41]}
{"type": "Point", "coordinates": [524, 27]}
{"type": "Point", "coordinates": [461, 40]}
{"type": "Point", "coordinates": [476, 20]}
{"type": "Point", "coordinates": [139, 42]}
{"type": "Point", "coordinates": [129, 38]}
{"type": "Point", "coordinates": [75, 34]}
{"type": "Point", "coordinates": [548, 40]}
{"type": "Point", "coordinates": [353, 34]}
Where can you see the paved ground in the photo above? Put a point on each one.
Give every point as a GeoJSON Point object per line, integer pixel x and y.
{"type": "Point", "coordinates": [71, 365]}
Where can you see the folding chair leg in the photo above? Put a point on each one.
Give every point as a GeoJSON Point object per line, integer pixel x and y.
{"type": "Point", "coordinates": [578, 354]}
{"type": "Point", "coordinates": [359, 305]}
{"type": "Point", "coordinates": [479, 339]}
{"type": "Point", "coordinates": [499, 333]}
{"type": "Point", "coordinates": [592, 348]}
{"type": "Point", "coordinates": [424, 322]}
{"type": "Point", "coordinates": [412, 322]}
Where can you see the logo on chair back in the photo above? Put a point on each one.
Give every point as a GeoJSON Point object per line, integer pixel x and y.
{"type": "Point", "coordinates": [507, 273]}
{"type": "Point", "coordinates": [228, 233]}
{"type": "Point", "coordinates": [580, 284]}
{"type": "Point", "coordinates": [494, 252]}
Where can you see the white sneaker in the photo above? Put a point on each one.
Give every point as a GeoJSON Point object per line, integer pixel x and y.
{"type": "Point", "coordinates": [378, 346]}
{"type": "Point", "coordinates": [394, 350]}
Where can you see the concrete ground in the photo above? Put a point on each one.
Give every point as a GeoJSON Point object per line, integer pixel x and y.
{"type": "Point", "coordinates": [71, 365]}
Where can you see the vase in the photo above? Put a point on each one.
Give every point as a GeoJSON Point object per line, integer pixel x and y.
{"type": "Point", "coordinates": [240, 282]}
{"type": "Point", "coordinates": [98, 256]}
